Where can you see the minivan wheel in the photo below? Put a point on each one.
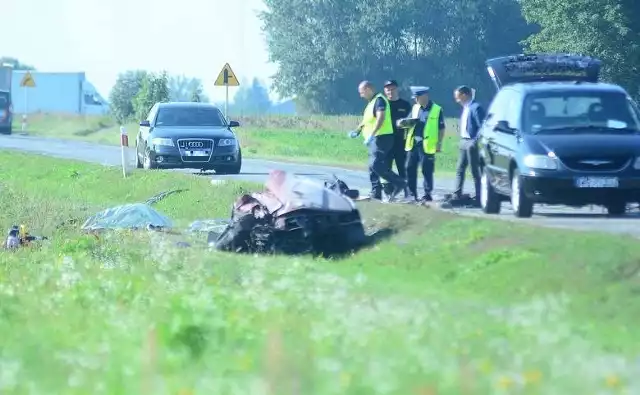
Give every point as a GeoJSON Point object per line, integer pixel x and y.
{"type": "Point", "coordinates": [521, 205]}
{"type": "Point", "coordinates": [616, 208]}
{"type": "Point", "coordinates": [489, 199]}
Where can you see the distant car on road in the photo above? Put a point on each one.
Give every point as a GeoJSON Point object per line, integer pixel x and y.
{"type": "Point", "coordinates": [6, 112]}
{"type": "Point", "coordinates": [555, 135]}
{"type": "Point", "coordinates": [188, 135]}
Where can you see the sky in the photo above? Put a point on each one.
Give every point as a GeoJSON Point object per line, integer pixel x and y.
{"type": "Point", "coordinates": [103, 38]}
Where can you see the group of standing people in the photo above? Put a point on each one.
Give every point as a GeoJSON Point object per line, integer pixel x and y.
{"type": "Point", "coordinates": [411, 136]}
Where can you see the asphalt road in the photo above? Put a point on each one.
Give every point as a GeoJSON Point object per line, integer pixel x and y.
{"type": "Point", "coordinates": [256, 170]}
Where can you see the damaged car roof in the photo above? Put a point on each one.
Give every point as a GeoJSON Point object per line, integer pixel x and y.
{"type": "Point", "coordinates": [286, 192]}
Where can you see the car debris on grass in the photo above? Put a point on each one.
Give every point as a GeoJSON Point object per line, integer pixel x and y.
{"type": "Point", "coordinates": [18, 236]}
{"type": "Point", "coordinates": [292, 215]}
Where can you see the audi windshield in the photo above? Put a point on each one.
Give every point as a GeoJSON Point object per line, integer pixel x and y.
{"type": "Point", "coordinates": [579, 111]}
{"type": "Point", "coordinates": [190, 116]}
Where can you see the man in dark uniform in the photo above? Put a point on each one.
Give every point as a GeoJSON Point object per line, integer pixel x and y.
{"type": "Point", "coordinates": [400, 109]}
{"type": "Point", "coordinates": [425, 133]}
{"type": "Point", "coordinates": [377, 129]}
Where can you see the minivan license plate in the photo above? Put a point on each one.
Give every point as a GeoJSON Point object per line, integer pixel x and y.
{"type": "Point", "coordinates": [597, 182]}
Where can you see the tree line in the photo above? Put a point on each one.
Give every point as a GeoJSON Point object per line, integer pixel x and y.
{"type": "Point", "coordinates": [324, 48]}
{"type": "Point", "coordinates": [136, 91]}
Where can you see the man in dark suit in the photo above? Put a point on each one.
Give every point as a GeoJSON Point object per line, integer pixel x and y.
{"type": "Point", "coordinates": [471, 119]}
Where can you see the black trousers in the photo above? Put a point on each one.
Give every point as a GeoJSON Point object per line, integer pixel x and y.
{"type": "Point", "coordinates": [399, 157]}
{"type": "Point", "coordinates": [468, 157]}
{"type": "Point", "coordinates": [417, 157]}
{"type": "Point", "coordinates": [380, 151]}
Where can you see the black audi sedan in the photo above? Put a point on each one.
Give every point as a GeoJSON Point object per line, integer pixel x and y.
{"type": "Point", "coordinates": [556, 135]}
{"type": "Point", "coordinates": [188, 135]}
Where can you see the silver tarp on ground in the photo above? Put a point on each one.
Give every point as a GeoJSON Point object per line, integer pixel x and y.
{"type": "Point", "coordinates": [127, 216]}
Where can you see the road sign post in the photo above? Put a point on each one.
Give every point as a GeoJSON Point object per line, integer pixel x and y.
{"type": "Point", "coordinates": [124, 144]}
{"type": "Point", "coordinates": [27, 82]}
{"type": "Point", "coordinates": [226, 78]}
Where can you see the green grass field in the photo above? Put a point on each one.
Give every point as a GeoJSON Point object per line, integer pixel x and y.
{"type": "Point", "coordinates": [448, 305]}
{"type": "Point", "coordinates": [316, 139]}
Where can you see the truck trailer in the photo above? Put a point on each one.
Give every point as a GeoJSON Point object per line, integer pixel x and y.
{"type": "Point", "coordinates": [56, 92]}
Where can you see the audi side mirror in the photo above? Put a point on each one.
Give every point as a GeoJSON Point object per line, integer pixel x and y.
{"type": "Point", "coordinates": [145, 123]}
{"type": "Point", "coordinates": [234, 124]}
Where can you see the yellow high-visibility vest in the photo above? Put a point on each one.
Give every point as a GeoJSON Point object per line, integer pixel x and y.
{"type": "Point", "coordinates": [369, 119]}
{"type": "Point", "coordinates": [431, 129]}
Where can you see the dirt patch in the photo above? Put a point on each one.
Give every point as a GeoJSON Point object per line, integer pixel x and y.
{"type": "Point", "coordinates": [489, 244]}
{"type": "Point", "coordinates": [101, 126]}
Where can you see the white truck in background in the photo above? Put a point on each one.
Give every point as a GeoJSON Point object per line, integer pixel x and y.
{"type": "Point", "coordinates": [69, 93]}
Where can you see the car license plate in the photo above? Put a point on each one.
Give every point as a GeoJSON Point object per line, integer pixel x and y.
{"type": "Point", "coordinates": [196, 153]}
{"type": "Point", "coordinates": [597, 182]}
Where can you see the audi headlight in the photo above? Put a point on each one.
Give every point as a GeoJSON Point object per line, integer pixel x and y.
{"type": "Point", "coordinates": [543, 162]}
{"type": "Point", "coordinates": [162, 141]}
{"type": "Point", "coordinates": [636, 164]}
{"type": "Point", "coordinates": [226, 142]}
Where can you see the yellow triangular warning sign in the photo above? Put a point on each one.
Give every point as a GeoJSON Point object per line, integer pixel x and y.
{"type": "Point", "coordinates": [227, 77]}
{"type": "Point", "coordinates": [28, 81]}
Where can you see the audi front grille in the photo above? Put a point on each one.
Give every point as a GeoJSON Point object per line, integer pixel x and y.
{"type": "Point", "coordinates": [196, 145]}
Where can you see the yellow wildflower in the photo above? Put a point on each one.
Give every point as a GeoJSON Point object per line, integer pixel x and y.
{"type": "Point", "coordinates": [532, 376]}
{"type": "Point", "coordinates": [505, 382]}
{"type": "Point", "coordinates": [613, 381]}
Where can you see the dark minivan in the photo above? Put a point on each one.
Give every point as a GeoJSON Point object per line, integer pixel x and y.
{"type": "Point", "coordinates": [6, 112]}
{"type": "Point", "coordinates": [555, 135]}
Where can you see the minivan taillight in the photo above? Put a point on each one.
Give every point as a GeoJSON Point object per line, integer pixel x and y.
{"type": "Point", "coordinates": [6, 113]}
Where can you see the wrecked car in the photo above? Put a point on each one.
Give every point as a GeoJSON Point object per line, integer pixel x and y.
{"type": "Point", "coordinates": [293, 215]}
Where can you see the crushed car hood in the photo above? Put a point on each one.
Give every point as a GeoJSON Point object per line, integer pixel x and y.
{"type": "Point", "coordinates": [293, 215]}
{"type": "Point", "coordinates": [285, 193]}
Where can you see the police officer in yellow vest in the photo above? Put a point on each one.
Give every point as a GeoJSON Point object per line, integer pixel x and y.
{"type": "Point", "coordinates": [377, 129]}
{"type": "Point", "coordinates": [424, 139]}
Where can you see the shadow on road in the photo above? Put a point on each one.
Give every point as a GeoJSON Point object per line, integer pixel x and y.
{"type": "Point", "coordinates": [628, 216]}
{"type": "Point", "coordinates": [266, 174]}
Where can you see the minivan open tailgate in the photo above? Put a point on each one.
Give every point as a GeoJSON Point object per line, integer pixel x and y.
{"type": "Point", "coordinates": [513, 69]}
{"type": "Point", "coordinates": [5, 78]}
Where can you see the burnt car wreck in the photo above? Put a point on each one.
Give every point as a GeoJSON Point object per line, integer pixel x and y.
{"type": "Point", "coordinates": [293, 215]}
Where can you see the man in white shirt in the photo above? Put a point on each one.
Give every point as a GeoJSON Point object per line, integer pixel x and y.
{"type": "Point", "coordinates": [471, 120]}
